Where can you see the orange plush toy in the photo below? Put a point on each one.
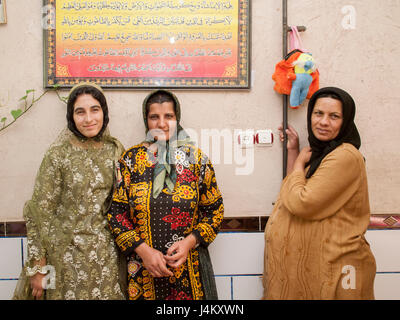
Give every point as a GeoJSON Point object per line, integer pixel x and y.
{"type": "Point", "coordinates": [285, 75]}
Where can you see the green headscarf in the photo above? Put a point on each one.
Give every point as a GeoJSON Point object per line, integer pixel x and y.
{"type": "Point", "coordinates": [165, 171]}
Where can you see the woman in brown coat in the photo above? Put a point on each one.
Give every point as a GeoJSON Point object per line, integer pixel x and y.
{"type": "Point", "coordinates": [314, 239]}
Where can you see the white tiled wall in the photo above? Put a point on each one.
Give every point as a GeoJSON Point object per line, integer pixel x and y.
{"type": "Point", "coordinates": [238, 264]}
{"type": "Point", "coordinates": [224, 286]}
{"type": "Point", "coordinates": [7, 288]}
{"type": "Point", "coordinates": [11, 261]}
{"type": "Point", "coordinates": [11, 258]}
{"type": "Point", "coordinates": [238, 253]}
{"type": "Point", "coordinates": [385, 244]}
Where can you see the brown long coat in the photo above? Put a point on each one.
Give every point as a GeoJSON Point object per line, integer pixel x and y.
{"type": "Point", "coordinates": [314, 239]}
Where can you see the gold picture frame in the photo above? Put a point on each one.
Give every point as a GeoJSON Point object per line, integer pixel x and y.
{"type": "Point", "coordinates": [3, 12]}
{"type": "Point", "coordinates": [148, 44]}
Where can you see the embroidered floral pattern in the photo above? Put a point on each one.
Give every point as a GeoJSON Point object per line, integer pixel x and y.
{"type": "Point", "coordinates": [175, 238]}
{"type": "Point", "coordinates": [142, 161]}
{"type": "Point", "coordinates": [134, 290]}
{"type": "Point", "coordinates": [178, 219]}
{"type": "Point", "coordinates": [65, 221]}
{"type": "Point", "coordinates": [175, 295]}
{"type": "Point", "coordinates": [195, 206]}
{"type": "Point", "coordinates": [181, 161]}
{"type": "Point", "coordinates": [123, 219]}
{"type": "Point", "coordinates": [133, 267]}
{"type": "Point", "coordinates": [186, 176]}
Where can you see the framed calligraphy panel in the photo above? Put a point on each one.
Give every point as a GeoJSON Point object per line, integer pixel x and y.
{"type": "Point", "coordinates": [147, 44]}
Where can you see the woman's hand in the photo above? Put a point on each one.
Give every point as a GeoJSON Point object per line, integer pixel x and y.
{"type": "Point", "coordinates": [302, 159]}
{"type": "Point", "coordinates": [37, 280]}
{"type": "Point", "coordinates": [37, 285]}
{"type": "Point", "coordinates": [153, 261]}
{"type": "Point", "coordinates": [292, 137]}
{"type": "Point", "coordinates": [292, 146]}
{"type": "Point", "coordinates": [178, 252]}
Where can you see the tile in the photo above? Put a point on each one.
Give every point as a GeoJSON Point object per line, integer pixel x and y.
{"type": "Point", "coordinates": [263, 222]}
{"type": "Point", "coordinates": [387, 286]}
{"type": "Point", "coordinates": [15, 229]}
{"type": "Point", "coordinates": [247, 287]}
{"type": "Point", "coordinates": [11, 258]}
{"type": "Point", "coordinates": [241, 224]}
{"type": "Point", "coordinates": [229, 224]}
{"type": "Point", "coordinates": [385, 245]}
{"type": "Point", "coordinates": [384, 221]}
{"type": "Point", "coordinates": [24, 250]}
{"type": "Point", "coordinates": [7, 288]}
{"type": "Point", "coordinates": [237, 253]}
{"type": "Point", "coordinates": [224, 288]}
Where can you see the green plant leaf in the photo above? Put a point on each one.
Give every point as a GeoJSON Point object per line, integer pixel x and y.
{"type": "Point", "coordinates": [16, 113]}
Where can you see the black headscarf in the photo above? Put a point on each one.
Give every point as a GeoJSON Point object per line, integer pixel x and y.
{"type": "Point", "coordinates": [348, 132]}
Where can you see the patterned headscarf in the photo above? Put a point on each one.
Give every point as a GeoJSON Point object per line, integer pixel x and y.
{"type": "Point", "coordinates": [165, 171]}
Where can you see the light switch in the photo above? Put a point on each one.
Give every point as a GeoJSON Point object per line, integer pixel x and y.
{"type": "Point", "coordinates": [246, 139]}
{"type": "Point", "coordinates": [264, 137]}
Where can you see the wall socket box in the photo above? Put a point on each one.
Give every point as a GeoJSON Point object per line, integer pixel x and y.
{"type": "Point", "coordinates": [264, 137]}
{"type": "Point", "coordinates": [250, 138]}
{"type": "Point", "coordinates": [246, 139]}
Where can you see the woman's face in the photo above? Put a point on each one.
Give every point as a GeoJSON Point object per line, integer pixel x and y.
{"type": "Point", "coordinates": [161, 120]}
{"type": "Point", "coordinates": [326, 118]}
{"type": "Point", "coordinates": [88, 115]}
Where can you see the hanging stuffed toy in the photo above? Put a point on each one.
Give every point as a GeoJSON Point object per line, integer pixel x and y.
{"type": "Point", "coordinates": [297, 74]}
{"type": "Point", "coordinates": [301, 78]}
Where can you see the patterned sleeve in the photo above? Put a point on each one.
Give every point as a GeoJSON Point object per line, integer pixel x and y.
{"type": "Point", "coordinates": [39, 211]}
{"type": "Point", "coordinates": [119, 222]}
{"type": "Point", "coordinates": [211, 207]}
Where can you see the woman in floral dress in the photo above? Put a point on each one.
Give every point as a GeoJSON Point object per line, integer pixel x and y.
{"type": "Point", "coordinates": [71, 252]}
{"type": "Point", "coordinates": [166, 209]}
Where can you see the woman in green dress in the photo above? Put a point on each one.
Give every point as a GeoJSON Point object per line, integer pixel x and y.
{"type": "Point", "coordinates": [166, 209]}
{"type": "Point", "coordinates": [71, 253]}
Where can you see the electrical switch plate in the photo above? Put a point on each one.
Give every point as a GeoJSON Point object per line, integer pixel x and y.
{"type": "Point", "coordinates": [264, 137]}
{"type": "Point", "coordinates": [246, 139]}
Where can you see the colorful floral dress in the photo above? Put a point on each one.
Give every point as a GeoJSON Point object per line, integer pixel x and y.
{"type": "Point", "coordinates": [195, 206]}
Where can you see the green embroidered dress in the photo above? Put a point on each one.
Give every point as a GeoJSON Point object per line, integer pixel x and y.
{"type": "Point", "coordinates": [66, 220]}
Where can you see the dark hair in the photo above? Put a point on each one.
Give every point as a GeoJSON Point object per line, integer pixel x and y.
{"type": "Point", "coordinates": [96, 94]}
{"type": "Point", "coordinates": [159, 97]}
